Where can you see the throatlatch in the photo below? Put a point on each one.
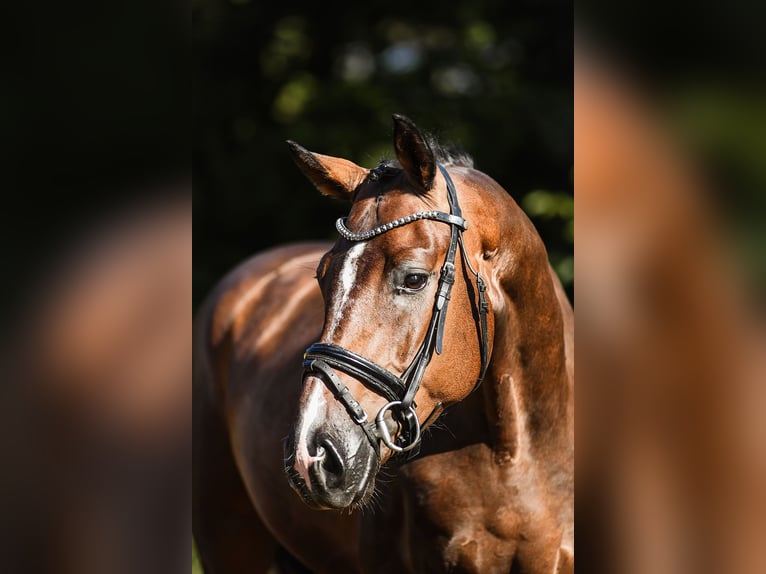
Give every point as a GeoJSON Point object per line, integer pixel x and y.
{"type": "Point", "coordinates": [321, 358]}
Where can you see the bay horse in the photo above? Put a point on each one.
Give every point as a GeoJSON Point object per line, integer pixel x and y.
{"type": "Point", "coordinates": [400, 461]}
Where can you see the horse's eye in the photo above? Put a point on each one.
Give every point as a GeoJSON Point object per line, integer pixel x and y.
{"type": "Point", "coordinates": [415, 281]}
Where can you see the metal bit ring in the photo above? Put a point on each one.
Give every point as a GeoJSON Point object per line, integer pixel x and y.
{"type": "Point", "coordinates": [385, 436]}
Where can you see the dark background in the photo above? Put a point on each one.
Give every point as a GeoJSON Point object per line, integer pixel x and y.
{"type": "Point", "coordinates": [494, 77]}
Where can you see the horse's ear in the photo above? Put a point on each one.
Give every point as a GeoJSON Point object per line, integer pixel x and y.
{"type": "Point", "coordinates": [414, 153]}
{"type": "Point", "coordinates": [332, 176]}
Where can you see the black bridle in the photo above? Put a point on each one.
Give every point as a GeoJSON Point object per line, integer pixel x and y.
{"type": "Point", "coordinates": [325, 358]}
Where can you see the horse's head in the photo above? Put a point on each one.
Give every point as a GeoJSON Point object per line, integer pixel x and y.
{"type": "Point", "coordinates": [407, 331]}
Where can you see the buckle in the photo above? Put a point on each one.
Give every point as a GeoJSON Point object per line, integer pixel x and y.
{"type": "Point", "coordinates": [448, 272]}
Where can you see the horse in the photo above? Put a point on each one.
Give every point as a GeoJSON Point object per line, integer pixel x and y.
{"type": "Point", "coordinates": [398, 401]}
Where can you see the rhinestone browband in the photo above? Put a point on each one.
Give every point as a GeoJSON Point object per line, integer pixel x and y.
{"type": "Point", "coordinates": [340, 225]}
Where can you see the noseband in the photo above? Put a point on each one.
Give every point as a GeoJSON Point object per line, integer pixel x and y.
{"type": "Point", "coordinates": [324, 358]}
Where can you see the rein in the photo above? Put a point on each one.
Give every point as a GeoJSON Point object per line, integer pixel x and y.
{"type": "Point", "coordinates": [400, 391]}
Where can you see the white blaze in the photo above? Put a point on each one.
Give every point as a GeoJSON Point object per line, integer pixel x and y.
{"type": "Point", "coordinates": [347, 279]}
{"type": "Point", "coordinates": [303, 459]}
{"type": "Point", "coordinates": [315, 404]}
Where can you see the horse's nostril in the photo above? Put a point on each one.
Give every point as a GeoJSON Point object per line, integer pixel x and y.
{"type": "Point", "coordinates": [332, 461]}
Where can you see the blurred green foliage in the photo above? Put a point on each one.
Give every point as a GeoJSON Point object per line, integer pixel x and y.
{"type": "Point", "coordinates": [494, 77]}
{"type": "Point", "coordinates": [724, 127]}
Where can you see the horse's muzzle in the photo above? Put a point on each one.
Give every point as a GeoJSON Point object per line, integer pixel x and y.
{"type": "Point", "coordinates": [332, 471]}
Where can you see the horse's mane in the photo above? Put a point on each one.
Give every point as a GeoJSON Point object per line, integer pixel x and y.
{"type": "Point", "coordinates": [450, 154]}
{"type": "Point", "coordinates": [445, 153]}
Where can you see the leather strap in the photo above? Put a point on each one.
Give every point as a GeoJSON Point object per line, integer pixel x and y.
{"type": "Point", "coordinates": [372, 375]}
{"type": "Point", "coordinates": [343, 395]}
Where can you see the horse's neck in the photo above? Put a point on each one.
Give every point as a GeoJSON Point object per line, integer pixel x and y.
{"type": "Point", "coordinates": [528, 390]}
